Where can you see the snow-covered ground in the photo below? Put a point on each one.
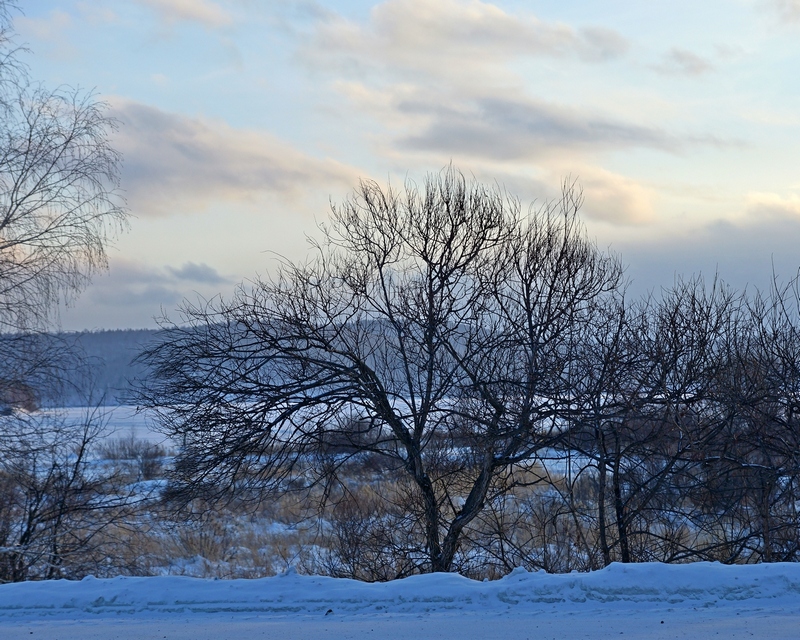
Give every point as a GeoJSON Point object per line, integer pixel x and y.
{"type": "Point", "coordinates": [641, 601]}
{"type": "Point", "coordinates": [123, 421]}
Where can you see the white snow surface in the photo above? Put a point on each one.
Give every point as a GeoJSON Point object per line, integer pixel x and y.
{"type": "Point", "coordinates": [701, 600]}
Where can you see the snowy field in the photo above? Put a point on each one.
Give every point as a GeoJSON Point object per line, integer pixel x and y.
{"type": "Point", "coordinates": [122, 421]}
{"type": "Point", "coordinates": [640, 601]}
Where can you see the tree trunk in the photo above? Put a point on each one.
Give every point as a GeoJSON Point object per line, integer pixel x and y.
{"type": "Point", "coordinates": [619, 507]}
{"type": "Point", "coordinates": [601, 497]}
{"type": "Point", "coordinates": [472, 507]}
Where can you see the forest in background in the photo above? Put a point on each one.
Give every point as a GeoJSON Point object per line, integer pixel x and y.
{"type": "Point", "coordinates": [75, 369]}
{"type": "Point", "coordinates": [110, 356]}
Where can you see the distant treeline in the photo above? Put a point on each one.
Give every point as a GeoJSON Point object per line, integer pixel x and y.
{"type": "Point", "coordinates": [110, 356]}
{"type": "Point", "coordinates": [72, 369]}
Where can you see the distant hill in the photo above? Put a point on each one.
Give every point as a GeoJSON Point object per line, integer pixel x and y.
{"type": "Point", "coordinates": [112, 372]}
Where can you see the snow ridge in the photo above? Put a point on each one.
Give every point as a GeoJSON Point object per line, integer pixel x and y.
{"type": "Point", "coordinates": [699, 585]}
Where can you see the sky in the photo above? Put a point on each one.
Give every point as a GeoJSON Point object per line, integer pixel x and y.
{"type": "Point", "coordinates": [242, 120]}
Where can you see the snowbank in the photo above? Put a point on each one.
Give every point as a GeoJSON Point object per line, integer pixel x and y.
{"type": "Point", "coordinates": [618, 587]}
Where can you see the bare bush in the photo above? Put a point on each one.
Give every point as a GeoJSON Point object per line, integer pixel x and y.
{"type": "Point", "coordinates": [57, 507]}
{"type": "Point", "coordinates": [147, 457]}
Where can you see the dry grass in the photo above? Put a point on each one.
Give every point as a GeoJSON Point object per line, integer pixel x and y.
{"type": "Point", "coordinates": [366, 525]}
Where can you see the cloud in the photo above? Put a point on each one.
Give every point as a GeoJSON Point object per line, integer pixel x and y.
{"type": "Point", "coordinates": [48, 33]}
{"type": "Point", "coordinates": [159, 79]}
{"type": "Point", "coordinates": [476, 124]}
{"type": "Point", "coordinates": [97, 15]}
{"type": "Point", "coordinates": [613, 198]}
{"type": "Point", "coordinates": [743, 252]}
{"type": "Point", "coordinates": [444, 36]}
{"type": "Point", "coordinates": [765, 205]}
{"type": "Point", "coordinates": [49, 27]}
{"type": "Point", "coordinates": [434, 73]}
{"type": "Point", "coordinates": [599, 43]}
{"type": "Point", "coordinates": [788, 10]}
{"type": "Point", "coordinates": [132, 293]}
{"type": "Point", "coordinates": [607, 197]}
{"type": "Point", "coordinates": [201, 273]}
{"type": "Point", "coordinates": [294, 16]}
{"type": "Point", "coordinates": [502, 91]}
{"type": "Point", "coordinates": [683, 62]}
{"type": "Point", "coordinates": [151, 296]}
{"type": "Point", "coordinates": [509, 129]}
{"type": "Point", "coordinates": [179, 164]}
{"type": "Point", "coordinates": [205, 12]}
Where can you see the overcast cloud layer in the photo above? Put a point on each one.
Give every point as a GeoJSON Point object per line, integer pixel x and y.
{"type": "Point", "coordinates": [240, 120]}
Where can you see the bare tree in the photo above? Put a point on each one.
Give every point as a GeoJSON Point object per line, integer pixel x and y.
{"type": "Point", "coordinates": [440, 317]}
{"type": "Point", "coordinates": [59, 208]}
{"type": "Point", "coordinates": [645, 410]}
{"type": "Point", "coordinates": [753, 481]}
{"type": "Point", "coordinates": [59, 203]}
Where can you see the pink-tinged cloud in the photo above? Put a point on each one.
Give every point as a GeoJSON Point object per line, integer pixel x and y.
{"type": "Point", "coordinates": [181, 164]}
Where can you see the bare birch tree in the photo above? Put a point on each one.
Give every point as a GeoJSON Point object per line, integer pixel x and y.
{"type": "Point", "coordinates": [59, 208]}
{"type": "Point", "coordinates": [59, 199]}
